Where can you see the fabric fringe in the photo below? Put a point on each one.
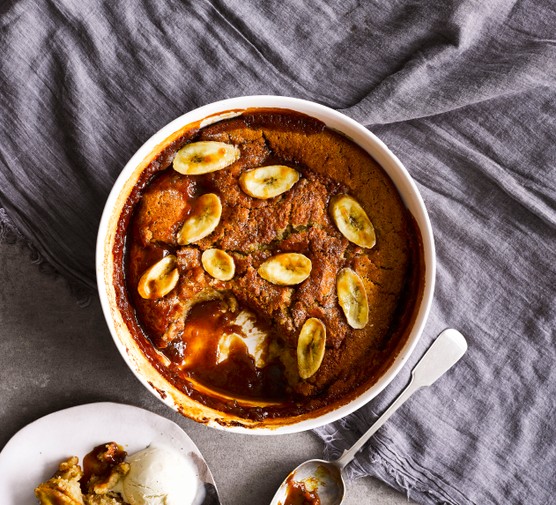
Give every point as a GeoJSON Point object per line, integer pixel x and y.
{"type": "Point", "coordinates": [9, 234]}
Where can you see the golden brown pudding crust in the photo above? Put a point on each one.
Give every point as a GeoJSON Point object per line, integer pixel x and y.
{"type": "Point", "coordinates": [251, 231]}
{"type": "Point", "coordinates": [64, 487]}
{"type": "Point", "coordinates": [71, 485]}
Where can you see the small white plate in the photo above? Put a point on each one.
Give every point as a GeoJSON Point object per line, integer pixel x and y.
{"type": "Point", "coordinates": [33, 454]}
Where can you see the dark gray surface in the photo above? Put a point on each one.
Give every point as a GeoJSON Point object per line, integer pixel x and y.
{"type": "Point", "coordinates": [462, 91]}
{"type": "Point", "coordinates": [54, 355]}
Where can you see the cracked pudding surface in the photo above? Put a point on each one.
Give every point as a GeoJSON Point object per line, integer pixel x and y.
{"type": "Point", "coordinates": [238, 338]}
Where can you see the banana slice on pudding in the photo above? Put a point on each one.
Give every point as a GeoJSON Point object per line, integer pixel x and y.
{"type": "Point", "coordinates": [159, 279]}
{"type": "Point", "coordinates": [310, 347]}
{"type": "Point", "coordinates": [269, 181]}
{"type": "Point", "coordinates": [352, 221]}
{"type": "Point", "coordinates": [202, 221]}
{"type": "Point", "coordinates": [286, 269]}
{"type": "Point", "coordinates": [352, 297]}
{"type": "Point", "coordinates": [204, 157]}
{"type": "Point", "coordinates": [218, 264]}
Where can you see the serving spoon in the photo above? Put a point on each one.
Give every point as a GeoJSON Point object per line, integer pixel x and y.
{"type": "Point", "coordinates": [321, 478]}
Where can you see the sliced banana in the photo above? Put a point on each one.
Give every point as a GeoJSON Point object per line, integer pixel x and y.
{"type": "Point", "coordinates": [352, 297]}
{"type": "Point", "coordinates": [310, 347]}
{"type": "Point", "coordinates": [203, 219]}
{"type": "Point", "coordinates": [204, 157]}
{"type": "Point", "coordinates": [218, 264]}
{"type": "Point", "coordinates": [159, 279]}
{"type": "Point", "coordinates": [286, 269]}
{"type": "Point", "coordinates": [268, 182]}
{"type": "Point", "coordinates": [352, 221]}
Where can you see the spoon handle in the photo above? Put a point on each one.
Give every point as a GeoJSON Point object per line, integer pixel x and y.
{"type": "Point", "coordinates": [444, 352]}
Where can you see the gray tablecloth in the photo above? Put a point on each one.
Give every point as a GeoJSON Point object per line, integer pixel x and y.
{"type": "Point", "coordinates": [462, 91]}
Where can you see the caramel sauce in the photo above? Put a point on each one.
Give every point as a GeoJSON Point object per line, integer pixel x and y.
{"type": "Point", "coordinates": [197, 355]}
{"type": "Point", "coordinates": [99, 463]}
{"type": "Point", "coordinates": [298, 494]}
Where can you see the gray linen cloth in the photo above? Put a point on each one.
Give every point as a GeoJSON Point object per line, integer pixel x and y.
{"type": "Point", "coordinates": [462, 91]}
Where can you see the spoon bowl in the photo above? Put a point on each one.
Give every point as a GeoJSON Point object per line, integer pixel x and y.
{"type": "Point", "coordinates": [321, 482]}
{"type": "Point", "coordinates": [314, 477]}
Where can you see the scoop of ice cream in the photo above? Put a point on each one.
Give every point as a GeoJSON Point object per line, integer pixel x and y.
{"type": "Point", "coordinates": [159, 476]}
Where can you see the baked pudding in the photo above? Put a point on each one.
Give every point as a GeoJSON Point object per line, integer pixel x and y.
{"type": "Point", "coordinates": [266, 265]}
{"type": "Point", "coordinates": [103, 468]}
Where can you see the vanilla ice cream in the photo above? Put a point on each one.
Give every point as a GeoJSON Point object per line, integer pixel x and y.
{"type": "Point", "coordinates": [159, 476]}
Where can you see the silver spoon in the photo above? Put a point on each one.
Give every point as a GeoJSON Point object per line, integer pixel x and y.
{"type": "Point", "coordinates": [324, 478]}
